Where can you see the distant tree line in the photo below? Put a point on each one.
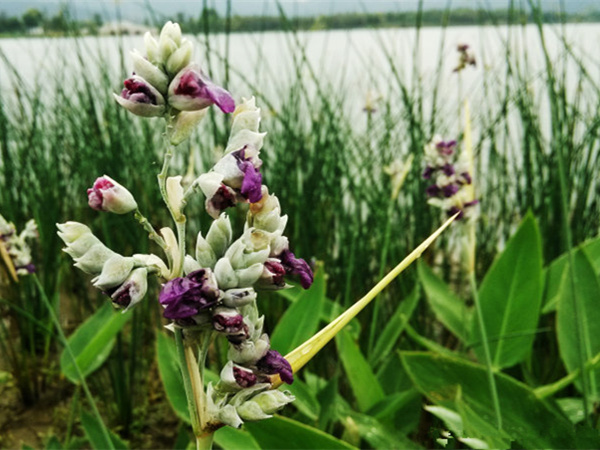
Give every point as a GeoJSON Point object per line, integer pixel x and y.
{"type": "Point", "coordinates": [210, 21]}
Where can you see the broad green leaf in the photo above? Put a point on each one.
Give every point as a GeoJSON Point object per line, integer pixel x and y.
{"type": "Point", "coordinates": [394, 328]}
{"type": "Point", "coordinates": [301, 320]}
{"type": "Point", "coordinates": [306, 402]}
{"type": "Point", "coordinates": [556, 269]}
{"type": "Point", "coordinates": [170, 374]}
{"type": "Point", "coordinates": [448, 308]}
{"type": "Point", "coordinates": [231, 439]}
{"type": "Point", "coordinates": [283, 433]}
{"type": "Point", "coordinates": [395, 402]}
{"type": "Point", "coordinates": [327, 397]}
{"type": "Point", "coordinates": [93, 431]}
{"type": "Point", "coordinates": [572, 407]}
{"type": "Point", "coordinates": [578, 319]}
{"type": "Point", "coordinates": [364, 383]}
{"type": "Point", "coordinates": [377, 434]}
{"type": "Point", "coordinates": [531, 422]}
{"type": "Point", "coordinates": [92, 342]}
{"type": "Point", "coordinates": [477, 427]}
{"type": "Point", "coordinates": [510, 298]}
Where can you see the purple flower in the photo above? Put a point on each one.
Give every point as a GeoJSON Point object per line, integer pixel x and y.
{"type": "Point", "coordinates": [297, 266]}
{"type": "Point", "coordinates": [449, 190]}
{"type": "Point", "coordinates": [248, 164]}
{"type": "Point", "coordinates": [244, 377]}
{"type": "Point", "coordinates": [448, 169]}
{"type": "Point", "coordinates": [108, 195]}
{"type": "Point", "coordinates": [228, 320]}
{"type": "Point", "coordinates": [446, 147]}
{"type": "Point", "coordinates": [273, 363]}
{"type": "Point", "coordinates": [188, 296]}
{"type": "Point", "coordinates": [222, 199]}
{"type": "Point", "coordinates": [428, 172]}
{"type": "Point", "coordinates": [466, 177]}
{"type": "Point", "coordinates": [273, 273]}
{"type": "Point", "coordinates": [141, 98]}
{"type": "Point", "coordinates": [433, 190]}
{"type": "Point", "coordinates": [192, 90]}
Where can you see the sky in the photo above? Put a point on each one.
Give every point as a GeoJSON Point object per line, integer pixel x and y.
{"type": "Point", "coordinates": [131, 9]}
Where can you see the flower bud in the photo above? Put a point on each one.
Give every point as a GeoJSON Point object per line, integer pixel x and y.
{"type": "Point", "coordinates": [78, 237]}
{"type": "Point", "coordinates": [192, 90]}
{"type": "Point", "coordinates": [166, 47]}
{"type": "Point", "coordinates": [151, 49]}
{"type": "Point", "coordinates": [149, 72]}
{"type": "Point", "coordinates": [273, 400]}
{"type": "Point", "coordinates": [250, 350]}
{"type": "Point", "coordinates": [237, 377]}
{"type": "Point", "coordinates": [245, 117]}
{"type": "Point", "coordinates": [94, 259]}
{"type": "Point", "coordinates": [108, 195]}
{"type": "Point", "coordinates": [184, 125]}
{"type": "Point", "coordinates": [205, 254]}
{"type": "Point", "coordinates": [229, 416]}
{"type": "Point", "coordinates": [251, 411]}
{"type": "Point", "coordinates": [172, 31]}
{"type": "Point", "coordinates": [227, 320]}
{"type": "Point", "coordinates": [209, 183]}
{"type": "Point", "coordinates": [263, 405]}
{"type": "Point", "coordinates": [132, 291]}
{"type": "Point", "coordinates": [175, 197]}
{"type": "Point", "coordinates": [180, 58]}
{"type": "Point", "coordinates": [245, 138]}
{"type": "Point", "coordinates": [247, 277]}
{"type": "Point", "coordinates": [153, 263]}
{"type": "Point", "coordinates": [234, 298]}
{"type": "Point", "coordinates": [114, 272]}
{"type": "Point", "coordinates": [219, 235]}
{"type": "Point", "coordinates": [190, 265]}
{"type": "Point", "coordinates": [141, 98]}
{"type": "Point", "coordinates": [226, 276]}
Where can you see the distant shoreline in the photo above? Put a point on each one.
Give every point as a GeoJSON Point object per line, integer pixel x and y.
{"type": "Point", "coordinates": [212, 23]}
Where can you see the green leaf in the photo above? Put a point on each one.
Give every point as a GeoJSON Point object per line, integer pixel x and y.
{"type": "Point", "coordinates": [92, 342]}
{"type": "Point", "coordinates": [301, 320]}
{"type": "Point", "coordinates": [448, 308]}
{"type": "Point", "coordinates": [510, 298]}
{"type": "Point", "coordinates": [393, 403]}
{"type": "Point", "coordinates": [556, 269]}
{"type": "Point", "coordinates": [364, 383]}
{"type": "Point", "coordinates": [231, 439]}
{"type": "Point", "coordinates": [394, 328]}
{"type": "Point", "coordinates": [531, 422]}
{"type": "Point", "coordinates": [170, 374]}
{"type": "Point", "coordinates": [578, 319]}
{"type": "Point", "coordinates": [306, 402]}
{"type": "Point", "coordinates": [573, 408]}
{"type": "Point", "coordinates": [93, 431]}
{"type": "Point", "coordinates": [283, 433]}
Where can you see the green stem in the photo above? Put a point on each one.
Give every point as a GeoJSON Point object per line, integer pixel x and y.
{"type": "Point", "coordinates": [187, 382]}
{"type": "Point", "coordinates": [152, 234]}
{"type": "Point", "coordinates": [486, 351]}
{"type": "Point", "coordinates": [205, 441]}
{"type": "Point", "coordinates": [382, 264]}
{"type": "Point", "coordinates": [107, 441]}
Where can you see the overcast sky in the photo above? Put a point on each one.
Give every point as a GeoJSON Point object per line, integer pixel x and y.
{"type": "Point", "coordinates": [132, 9]}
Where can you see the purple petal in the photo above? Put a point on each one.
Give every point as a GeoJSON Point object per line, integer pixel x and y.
{"type": "Point", "coordinates": [187, 296]}
{"type": "Point", "coordinates": [297, 266]}
{"type": "Point", "coordinates": [252, 183]}
{"type": "Point", "coordinates": [202, 92]}
{"type": "Point", "coordinates": [450, 189]}
{"type": "Point", "coordinates": [448, 169]}
{"type": "Point", "coordinates": [433, 190]}
{"type": "Point", "coordinates": [273, 363]}
{"type": "Point", "coordinates": [428, 172]}
{"type": "Point", "coordinates": [244, 377]}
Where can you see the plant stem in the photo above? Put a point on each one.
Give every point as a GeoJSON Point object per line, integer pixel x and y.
{"type": "Point", "coordinates": [146, 225]}
{"type": "Point", "coordinates": [486, 351]}
{"type": "Point", "coordinates": [187, 381]}
{"type": "Point", "coordinates": [204, 442]}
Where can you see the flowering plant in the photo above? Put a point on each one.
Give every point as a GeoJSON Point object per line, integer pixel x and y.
{"type": "Point", "coordinates": [211, 290]}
